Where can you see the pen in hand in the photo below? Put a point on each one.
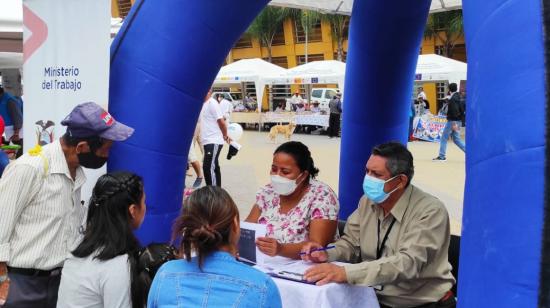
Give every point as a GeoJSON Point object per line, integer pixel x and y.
{"type": "Point", "coordinates": [317, 249]}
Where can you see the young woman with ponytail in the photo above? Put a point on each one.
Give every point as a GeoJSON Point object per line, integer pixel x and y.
{"type": "Point", "coordinates": [295, 207]}
{"type": "Point", "coordinates": [103, 270]}
{"type": "Point", "coordinates": [210, 275]}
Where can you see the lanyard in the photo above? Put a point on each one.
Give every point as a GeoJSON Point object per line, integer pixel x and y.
{"type": "Point", "coordinates": [380, 248]}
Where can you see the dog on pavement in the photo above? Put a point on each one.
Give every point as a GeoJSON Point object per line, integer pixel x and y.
{"type": "Point", "coordinates": [286, 130]}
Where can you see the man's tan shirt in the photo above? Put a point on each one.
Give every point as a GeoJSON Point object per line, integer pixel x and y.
{"type": "Point", "coordinates": [413, 268]}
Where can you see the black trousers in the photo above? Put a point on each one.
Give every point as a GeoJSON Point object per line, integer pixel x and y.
{"type": "Point", "coordinates": [334, 125]}
{"type": "Point", "coordinates": [210, 164]}
{"type": "Point", "coordinates": [33, 291]}
{"type": "Point", "coordinates": [448, 303]}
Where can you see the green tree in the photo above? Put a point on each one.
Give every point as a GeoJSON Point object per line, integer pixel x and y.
{"type": "Point", "coordinates": [447, 27]}
{"type": "Point", "coordinates": [266, 24]}
{"type": "Point", "coordinates": [338, 25]}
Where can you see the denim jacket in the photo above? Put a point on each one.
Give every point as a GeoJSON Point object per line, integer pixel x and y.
{"type": "Point", "coordinates": [223, 282]}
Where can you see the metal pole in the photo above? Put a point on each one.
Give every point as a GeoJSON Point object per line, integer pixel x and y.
{"type": "Point", "coordinates": [306, 30]}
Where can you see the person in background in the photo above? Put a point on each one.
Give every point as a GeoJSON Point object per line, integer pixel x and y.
{"type": "Point", "coordinates": [421, 94]}
{"type": "Point", "coordinates": [335, 106]}
{"type": "Point", "coordinates": [294, 100]}
{"type": "Point", "coordinates": [397, 238]}
{"type": "Point", "coordinates": [2, 127]}
{"type": "Point", "coordinates": [295, 207]}
{"type": "Point", "coordinates": [411, 121]}
{"type": "Point", "coordinates": [4, 159]}
{"type": "Point", "coordinates": [249, 103]}
{"type": "Point", "coordinates": [315, 107]}
{"type": "Point", "coordinates": [455, 113]}
{"type": "Point", "coordinates": [226, 108]}
{"type": "Point", "coordinates": [209, 230]}
{"type": "Point", "coordinates": [41, 206]}
{"type": "Point", "coordinates": [213, 131]}
{"type": "Point", "coordinates": [103, 270]}
{"type": "Point", "coordinates": [193, 160]}
{"type": "Point", "coordinates": [12, 111]}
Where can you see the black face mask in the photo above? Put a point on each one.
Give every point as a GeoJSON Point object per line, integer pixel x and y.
{"type": "Point", "coordinates": [91, 161]}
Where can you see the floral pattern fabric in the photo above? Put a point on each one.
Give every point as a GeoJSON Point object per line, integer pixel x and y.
{"type": "Point", "coordinates": [319, 202]}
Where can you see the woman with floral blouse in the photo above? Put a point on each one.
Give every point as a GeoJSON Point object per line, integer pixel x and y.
{"type": "Point", "coordinates": [295, 207]}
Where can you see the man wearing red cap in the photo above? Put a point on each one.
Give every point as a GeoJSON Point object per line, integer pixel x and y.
{"type": "Point", "coordinates": [41, 205]}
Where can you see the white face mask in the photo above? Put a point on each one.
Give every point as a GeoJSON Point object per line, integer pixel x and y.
{"type": "Point", "coordinates": [284, 186]}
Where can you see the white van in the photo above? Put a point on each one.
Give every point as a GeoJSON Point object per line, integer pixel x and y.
{"type": "Point", "coordinates": [232, 97]}
{"type": "Point", "coordinates": [323, 96]}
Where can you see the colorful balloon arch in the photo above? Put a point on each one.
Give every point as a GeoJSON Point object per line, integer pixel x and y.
{"type": "Point", "coordinates": [166, 56]}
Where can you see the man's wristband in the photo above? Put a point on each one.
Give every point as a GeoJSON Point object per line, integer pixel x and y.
{"type": "Point", "coordinates": [3, 278]}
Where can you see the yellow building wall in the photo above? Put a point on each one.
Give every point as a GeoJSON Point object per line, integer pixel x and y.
{"type": "Point", "coordinates": [428, 47]}
{"type": "Point", "coordinates": [327, 47]}
{"type": "Point", "coordinates": [290, 49]}
{"type": "Point", "coordinates": [114, 9]}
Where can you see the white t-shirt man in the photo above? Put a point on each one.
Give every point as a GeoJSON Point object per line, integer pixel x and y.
{"type": "Point", "coordinates": [422, 95]}
{"type": "Point", "coordinates": [210, 130]}
{"type": "Point", "coordinates": [294, 99]}
{"type": "Point", "coordinates": [226, 108]}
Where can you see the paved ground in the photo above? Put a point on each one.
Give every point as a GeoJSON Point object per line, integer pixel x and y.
{"type": "Point", "coordinates": [246, 172]}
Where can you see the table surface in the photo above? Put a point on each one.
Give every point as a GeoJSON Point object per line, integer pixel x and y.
{"type": "Point", "coordinates": [335, 295]}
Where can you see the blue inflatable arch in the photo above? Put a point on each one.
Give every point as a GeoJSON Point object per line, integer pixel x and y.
{"type": "Point", "coordinates": [166, 56]}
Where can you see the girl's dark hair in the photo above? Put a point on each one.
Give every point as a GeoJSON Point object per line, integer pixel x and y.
{"type": "Point", "coordinates": [206, 221]}
{"type": "Point", "coordinates": [108, 232]}
{"type": "Point", "coordinates": [151, 258]}
{"type": "Point", "coordinates": [301, 155]}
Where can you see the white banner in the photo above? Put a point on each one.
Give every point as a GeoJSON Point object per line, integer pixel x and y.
{"type": "Point", "coordinates": [65, 63]}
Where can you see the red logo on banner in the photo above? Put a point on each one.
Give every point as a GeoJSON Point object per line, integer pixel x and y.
{"type": "Point", "coordinates": [107, 118]}
{"type": "Point", "coordinates": [39, 31]}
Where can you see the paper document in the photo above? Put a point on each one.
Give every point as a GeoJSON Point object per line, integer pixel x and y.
{"type": "Point", "coordinates": [285, 268]}
{"type": "Point", "coordinates": [248, 251]}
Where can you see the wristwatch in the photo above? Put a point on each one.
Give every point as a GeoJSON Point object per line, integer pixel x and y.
{"type": "Point", "coordinates": [3, 278]}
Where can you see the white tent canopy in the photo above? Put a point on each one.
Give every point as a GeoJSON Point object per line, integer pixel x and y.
{"type": "Point", "coordinates": [433, 68]}
{"type": "Point", "coordinates": [11, 16]}
{"type": "Point", "coordinates": [11, 60]}
{"type": "Point", "coordinates": [316, 72]}
{"type": "Point", "coordinates": [430, 68]}
{"type": "Point", "coordinates": [248, 70]}
{"type": "Point", "coordinates": [345, 6]}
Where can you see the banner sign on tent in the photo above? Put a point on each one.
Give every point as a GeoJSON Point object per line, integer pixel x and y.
{"type": "Point", "coordinates": [429, 127]}
{"type": "Point", "coordinates": [66, 62]}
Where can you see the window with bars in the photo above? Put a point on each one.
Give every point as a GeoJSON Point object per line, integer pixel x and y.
{"type": "Point", "coordinates": [278, 95]}
{"type": "Point", "coordinates": [124, 7]}
{"type": "Point", "coordinates": [244, 42]}
{"type": "Point", "coordinates": [459, 52]}
{"type": "Point", "coordinates": [344, 56]}
{"type": "Point", "coordinates": [440, 89]}
{"type": "Point", "coordinates": [278, 38]}
{"type": "Point", "coordinates": [439, 49]}
{"type": "Point", "coordinates": [280, 61]}
{"type": "Point", "coordinates": [250, 89]}
{"type": "Point", "coordinates": [315, 35]}
{"type": "Point", "coordinates": [310, 58]}
{"type": "Point", "coordinates": [441, 93]}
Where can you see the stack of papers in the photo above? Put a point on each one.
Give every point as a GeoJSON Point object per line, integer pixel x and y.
{"type": "Point", "coordinates": [285, 268]}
